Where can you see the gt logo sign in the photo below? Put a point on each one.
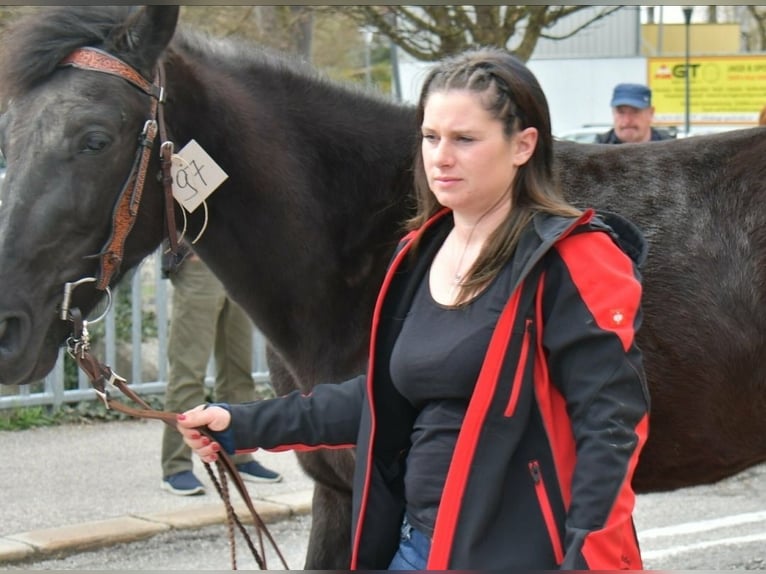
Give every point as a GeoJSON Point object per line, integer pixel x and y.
{"type": "Point", "coordinates": [679, 70]}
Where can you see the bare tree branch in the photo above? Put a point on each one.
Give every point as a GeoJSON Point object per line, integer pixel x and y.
{"type": "Point", "coordinates": [429, 33]}
{"type": "Point", "coordinates": [759, 15]}
{"type": "Point", "coordinates": [601, 15]}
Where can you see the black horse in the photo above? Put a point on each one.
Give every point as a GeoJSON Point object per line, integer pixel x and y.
{"type": "Point", "coordinates": [301, 231]}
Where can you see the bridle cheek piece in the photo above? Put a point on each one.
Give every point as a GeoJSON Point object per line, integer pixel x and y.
{"type": "Point", "coordinates": [128, 201]}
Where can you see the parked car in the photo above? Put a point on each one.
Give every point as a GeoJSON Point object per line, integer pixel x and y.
{"type": "Point", "coordinates": [585, 134]}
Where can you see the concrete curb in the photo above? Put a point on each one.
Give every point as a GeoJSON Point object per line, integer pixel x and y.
{"type": "Point", "coordinates": [65, 540]}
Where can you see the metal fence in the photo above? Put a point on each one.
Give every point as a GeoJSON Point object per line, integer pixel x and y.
{"type": "Point", "coordinates": [140, 359]}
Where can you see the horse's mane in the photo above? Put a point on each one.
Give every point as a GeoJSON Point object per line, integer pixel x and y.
{"type": "Point", "coordinates": [242, 58]}
{"type": "Point", "coordinates": [232, 53]}
{"type": "Point", "coordinates": [33, 46]}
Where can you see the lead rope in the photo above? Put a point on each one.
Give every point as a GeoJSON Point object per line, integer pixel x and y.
{"type": "Point", "coordinates": [102, 376]}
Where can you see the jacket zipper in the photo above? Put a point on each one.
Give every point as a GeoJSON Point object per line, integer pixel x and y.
{"type": "Point", "coordinates": [521, 367]}
{"type": "Point", "coordinates": [545, 507]}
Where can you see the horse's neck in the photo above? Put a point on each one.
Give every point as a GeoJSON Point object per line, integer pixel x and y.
{"type": "Point", "coordinates": [301, 230]}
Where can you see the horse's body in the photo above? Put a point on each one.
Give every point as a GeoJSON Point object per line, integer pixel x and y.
{"type": "Point", "coordinates": [300, 233]}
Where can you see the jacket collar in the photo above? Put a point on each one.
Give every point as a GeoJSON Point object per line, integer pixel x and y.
{"type": "Point", "coordinates": [546, 230]}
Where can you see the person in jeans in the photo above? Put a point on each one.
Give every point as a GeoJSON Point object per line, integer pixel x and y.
{"type": "Point", "coordinates": [204, 319]}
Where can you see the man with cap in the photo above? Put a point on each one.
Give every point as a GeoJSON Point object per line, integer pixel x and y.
{"type": "Point", "coordinates": [632, 114]}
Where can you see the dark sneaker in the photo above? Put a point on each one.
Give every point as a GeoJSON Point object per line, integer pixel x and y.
{"type": "Point", "coordinates": [183, 483]}
{"type": "Point", "coordinates": [253, 471]}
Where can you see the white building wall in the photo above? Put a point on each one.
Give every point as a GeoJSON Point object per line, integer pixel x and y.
{"type": "Point", "coordinates": [615, 35]}
{"type": "Point", "coordinates": [579, 91]}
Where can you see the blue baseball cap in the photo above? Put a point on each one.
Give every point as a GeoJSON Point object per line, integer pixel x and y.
{"type": "Point", "coordinates": [633, 95]}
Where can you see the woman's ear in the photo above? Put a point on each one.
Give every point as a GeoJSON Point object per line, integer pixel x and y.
{"type": "Point", "coordinates": [525, 144]}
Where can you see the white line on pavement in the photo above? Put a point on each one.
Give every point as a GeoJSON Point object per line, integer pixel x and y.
{"type": "Point", "coordinates": [673, 550]}
{"type": "Point", "coordinates": [702, 525]}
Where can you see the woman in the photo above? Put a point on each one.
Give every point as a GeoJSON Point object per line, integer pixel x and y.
{"type": "Point", "coordinates": [505, 407]}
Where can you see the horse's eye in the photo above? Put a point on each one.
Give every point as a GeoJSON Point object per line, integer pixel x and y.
{"type": "Point", "coordinates": [95, 142]}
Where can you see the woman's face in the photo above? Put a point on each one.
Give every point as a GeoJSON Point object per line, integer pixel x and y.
{"type": "Point", "coordinates": [469, 162]}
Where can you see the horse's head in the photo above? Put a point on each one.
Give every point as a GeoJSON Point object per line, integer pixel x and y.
{"type": "Point", "coordinates": [70, 137]}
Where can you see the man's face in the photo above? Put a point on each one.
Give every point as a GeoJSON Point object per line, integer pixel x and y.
{"type": "Point", "coordinates": [633, 125]}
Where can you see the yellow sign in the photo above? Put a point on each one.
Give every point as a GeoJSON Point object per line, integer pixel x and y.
{"type": "Point", "coordinates": [722, 89]}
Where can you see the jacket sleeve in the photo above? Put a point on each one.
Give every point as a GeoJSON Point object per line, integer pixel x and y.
{"type": "Point", "coordinates": [328, 417]}
{"type": "Point", "coordinates": [592, 312]}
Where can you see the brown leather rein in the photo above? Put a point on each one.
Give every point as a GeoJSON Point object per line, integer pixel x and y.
{"type": "Point", "coordinates": [101, 376]}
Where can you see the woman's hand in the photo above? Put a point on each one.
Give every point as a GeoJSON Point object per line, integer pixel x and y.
{"type": "Point", "coordinates": [214, 418]}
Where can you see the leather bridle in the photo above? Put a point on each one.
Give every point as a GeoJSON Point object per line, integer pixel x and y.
{"type": "Point", "coordinates": [128, 202]}
{"type": "Point", "coordinates": [102, 377]}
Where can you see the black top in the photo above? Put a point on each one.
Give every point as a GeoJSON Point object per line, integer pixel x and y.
{"type": "Point", "coordinates": [434, 364]}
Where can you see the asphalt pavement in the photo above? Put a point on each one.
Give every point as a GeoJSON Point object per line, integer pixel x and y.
{"type": "Point", "coordinates": [69, 488]}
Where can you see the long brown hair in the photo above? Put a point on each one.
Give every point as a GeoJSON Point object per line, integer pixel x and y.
{"type": "Point", "coordinates": [512, 95]}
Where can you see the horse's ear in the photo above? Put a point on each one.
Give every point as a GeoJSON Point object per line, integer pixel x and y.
{"type": "Point", "coordinates": [144, 36]}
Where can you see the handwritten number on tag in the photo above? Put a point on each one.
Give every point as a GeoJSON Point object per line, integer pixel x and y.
{"type": "Point", "coordinates": [195, 176]}
{"type": "Point", "coordinates": [186, 178]}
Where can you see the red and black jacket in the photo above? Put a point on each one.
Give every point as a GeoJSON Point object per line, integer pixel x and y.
{"type": "Point", "coordinates": [541, 475]}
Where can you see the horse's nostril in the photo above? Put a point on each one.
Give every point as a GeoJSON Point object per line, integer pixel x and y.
{"type": "Point", "coordinates": [9, 331]}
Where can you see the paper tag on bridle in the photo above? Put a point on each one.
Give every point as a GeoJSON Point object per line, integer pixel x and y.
{"type": "Point", "coordinates": [195, 176]}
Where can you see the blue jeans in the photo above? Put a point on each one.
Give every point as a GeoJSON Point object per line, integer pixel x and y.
{"type": "Point", "coordinates": [414, 547]}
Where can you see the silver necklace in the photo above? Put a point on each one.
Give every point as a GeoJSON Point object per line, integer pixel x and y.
{"type": "Point", "coordinates": [457, 278]}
